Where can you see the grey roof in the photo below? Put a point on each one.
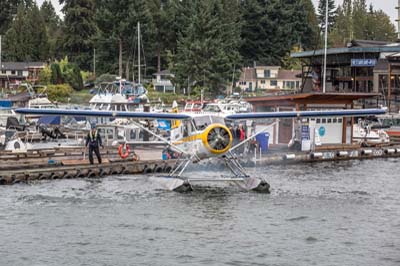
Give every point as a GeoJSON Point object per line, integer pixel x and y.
{"type": "Point", "coordinates": [21, 65]}
{"type": "Point", "coordinates": [357, 46]}
{"type": "Point", "coordinates": [163, 73]}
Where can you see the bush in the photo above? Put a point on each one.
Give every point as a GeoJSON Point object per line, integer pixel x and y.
{"type": "Point", "coordinates": [45, 76]}
{"type": "Point", "coordinates": [72, 76]}
{"type": "Point", "coordinates": [56, 74]}
{"type": "Point", "coordinates": [57, 93]}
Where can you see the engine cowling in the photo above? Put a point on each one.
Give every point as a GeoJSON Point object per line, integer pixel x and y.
{"type": "Point", "coordinates": [217, 138]}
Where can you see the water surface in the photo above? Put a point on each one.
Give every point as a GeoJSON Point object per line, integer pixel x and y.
{"type": "Point", "coordinates": [334, 213]}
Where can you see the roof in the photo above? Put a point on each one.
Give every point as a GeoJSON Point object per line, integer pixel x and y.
{"type": "Point", "coordinates": [163, 73]}
{"type": "Point", "coordinates": [356, 46]}
{"type": "Point", "coordinates": [20, 97]}
{"type": "Point", "coordinates": [21, 65]}
{"type": "Point", "coordinates": [288, 74]}
{"type": "Point", "coordinates": [248, 73]}
{"type": "Point", "coordinates": [308, 98]}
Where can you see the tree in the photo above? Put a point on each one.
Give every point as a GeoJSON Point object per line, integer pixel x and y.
{"type": "Point", "coordinates": [271, 28]}
{"type": "Point", "coordinates": [79, 30]}
{"type": "Point", "coordinates": [322, 14]}
{"type": "Point", "coordinates": [53, 27]}
{"type": "Point", "coordinates": [27, 40]}
{"type": "Point", "coordinates": [354, 21]}
{"type": "Point", "coordinates": [359, 19]}
{"type": "Point", "coordinates": [117, 22]}
{"type": "Point", "coordinates": [8, 9]}
{"type": "Point", "coordinates": [208, 48]}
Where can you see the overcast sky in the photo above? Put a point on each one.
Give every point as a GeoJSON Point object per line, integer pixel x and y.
{"type": "Point", "coordinates": [386, 5]}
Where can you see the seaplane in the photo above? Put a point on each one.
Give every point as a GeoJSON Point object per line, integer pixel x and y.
{"type": "Point", "coordinates": [199, 137]}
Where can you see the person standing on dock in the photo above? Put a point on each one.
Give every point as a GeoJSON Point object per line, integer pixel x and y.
{"type": "Point", "coordinates": [93, 140]}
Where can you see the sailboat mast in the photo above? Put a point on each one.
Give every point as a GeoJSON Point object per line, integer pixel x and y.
{"type": "Point", "coordinates": [138, 26]}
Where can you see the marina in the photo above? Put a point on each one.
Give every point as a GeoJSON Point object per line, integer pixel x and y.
{"type": "Point", "coordinates": [202, 132]}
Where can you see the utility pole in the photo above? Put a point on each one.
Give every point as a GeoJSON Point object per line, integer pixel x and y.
{"type": "Point", "coordinates": [398, 20]}
{"type": "Point", "coordinates": [94, 62]}
{"type": "Point", "coordinates": [1, 63]}
{"type": "Point", "coordinates": [326, 46]}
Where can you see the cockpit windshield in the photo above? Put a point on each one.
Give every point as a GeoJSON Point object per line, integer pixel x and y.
{"type": "Point", "coordinates": [201, 122]}
{"type": "Point", "coordinates": [212, 108]}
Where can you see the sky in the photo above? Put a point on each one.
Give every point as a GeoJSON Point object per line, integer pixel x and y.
{"type": "Point", "coordinates": [388, 6]}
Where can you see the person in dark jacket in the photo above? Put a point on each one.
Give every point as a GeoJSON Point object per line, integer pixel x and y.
{"type": "Point", "coordinates": [93, 140]}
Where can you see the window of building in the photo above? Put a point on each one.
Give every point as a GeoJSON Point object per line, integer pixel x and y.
{"type": "Point", "coordinates": [12, 72]}
{"type": "Point", "coordinates": [297, 84]}
{"type": "Point", "coordinates": [19, 72]}
{"type": "Point", "coordinates": [288, 84]}
{"type": "Point", "coordinates": [262, 81]}
{"type": "Point", "coordinates": [267, 73]}
{"type": "Point", "coordinates": [274, 83]}
{"type": "Point", "coordinates": [3, 71]}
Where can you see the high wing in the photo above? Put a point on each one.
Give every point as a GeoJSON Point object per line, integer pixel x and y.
{"type": "Point", "coordinates": [119, 114]}
{"type": "Point", "coordinates": [306, 114]}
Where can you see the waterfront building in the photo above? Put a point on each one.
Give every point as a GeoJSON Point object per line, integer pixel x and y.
{"type": "Point", "coordinates": [331, 130]}
{"type": "Point", "coordinates": [269, 79]}
{"type": "Point", "coordinates": [14, 73]}
{"type": "Point", "coordinates": [361, 67]}
{"type": "Point", "coordinates": [162, 81]}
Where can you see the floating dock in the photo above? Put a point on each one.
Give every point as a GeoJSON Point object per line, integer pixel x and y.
{"type": "Point", "coordinates": [65, 162]}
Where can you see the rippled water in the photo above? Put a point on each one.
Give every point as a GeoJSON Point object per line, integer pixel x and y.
{"type": "Point", "coordinates": [345, 213]}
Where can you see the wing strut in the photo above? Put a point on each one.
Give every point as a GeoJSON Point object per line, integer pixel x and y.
{"type": "Point", "coordinates": [165, 140]}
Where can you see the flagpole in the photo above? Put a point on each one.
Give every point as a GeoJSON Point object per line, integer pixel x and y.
{"type": "Point", "coordinates": [326, 46]}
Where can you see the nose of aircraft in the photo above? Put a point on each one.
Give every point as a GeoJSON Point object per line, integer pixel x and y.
{"type": "Point", "coordinates": [217, 138]}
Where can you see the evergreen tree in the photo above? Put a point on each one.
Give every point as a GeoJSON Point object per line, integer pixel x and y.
{"type": "Point", "coordinates": [53, 27]}
{"type": "Point", "coordinates": [27, 40]}
{"type": "Point", "coordinates": [359, 19]}
{"type": "Point", "coordinates": [164, 12]}
{"type": "Point", "coordinates": [271, 28]}
{"type": "Point", "coordinates": [354, 21]}
{"type": "Point", "coordinates": [312, 22]}
{"type": "Point", "coordinates": [322, 14]}
{"type": "Point", "coordinates": [208, 47]}
{"type": "Point", "coordinates": [8, 8]}
{"type": "Point", "coordinates": [343, 29]}
{"type": "Point", "coordinates": [117, 39]}
{"type": "Point", "coordinates": [56, 74]}
{"type": "Point", "coordinates": [383, 28]}
{"type": "Point", "coordinates": [79, 31]}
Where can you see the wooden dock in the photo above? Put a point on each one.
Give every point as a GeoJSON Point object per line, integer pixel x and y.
{"type": "Point", "coordinates": [64, 162]}
{"type": "Point", "coordinates": [73, 163]}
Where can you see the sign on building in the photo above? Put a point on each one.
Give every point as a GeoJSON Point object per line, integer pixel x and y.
{"type": "Point", "coordinates": [363, 62]}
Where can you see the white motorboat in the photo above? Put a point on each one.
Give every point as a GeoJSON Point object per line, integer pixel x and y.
{"type": "Point", "coordinates": [363, 134]}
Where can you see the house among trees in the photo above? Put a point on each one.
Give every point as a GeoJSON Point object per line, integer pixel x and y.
{"type": "Point", "coordinates": [162, 81]}
{"type": "Point", "coordinates": [12, 73]}
{"type": "Point", "coordinates": [269, 78]}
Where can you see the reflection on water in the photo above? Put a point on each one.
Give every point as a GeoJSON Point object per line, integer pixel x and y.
{"type": "Point", "coordinates": [339, 213]}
